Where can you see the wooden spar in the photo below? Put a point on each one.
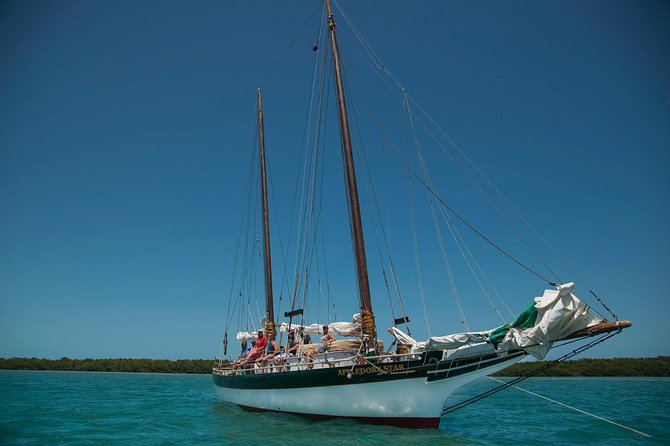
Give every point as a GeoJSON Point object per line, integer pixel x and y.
{"type": "Point", "coordinates": [269, 306]}
{"type": "Point", "coordinates": [368, 325]}
{"type": "Point", "coordinates": [599, 329]}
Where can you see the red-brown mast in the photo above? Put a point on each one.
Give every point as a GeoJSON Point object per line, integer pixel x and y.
{"type": "Point", "coordinates": [269, 306]}
{"type": "Point", "coordinates": [368, 320]}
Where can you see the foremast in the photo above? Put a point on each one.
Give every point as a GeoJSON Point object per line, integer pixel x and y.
{"type": "Point", "coordinates": [269, 303]}
{"type": "Point", "coordinates": [367, 316]}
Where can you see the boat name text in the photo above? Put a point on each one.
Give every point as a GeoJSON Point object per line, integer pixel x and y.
{"type": "Point", "coordinates": [372, 369]}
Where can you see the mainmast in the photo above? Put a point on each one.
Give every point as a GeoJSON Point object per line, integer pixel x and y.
{"type": "Point", "coordinates": [269, 307]}
{"type": "Point", "coordinates": [367, 316]}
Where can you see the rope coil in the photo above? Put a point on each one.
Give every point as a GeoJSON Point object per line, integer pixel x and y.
{"type": "Point", "coordinates": [368, 324]}
{"type": "Point", "coordinates": [270, 329]}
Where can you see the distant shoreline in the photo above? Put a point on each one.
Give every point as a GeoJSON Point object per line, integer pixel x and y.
{"type": "Point", "coordinates": [180, 366]}
{"type": "Point", "coordinates": [617, 367]}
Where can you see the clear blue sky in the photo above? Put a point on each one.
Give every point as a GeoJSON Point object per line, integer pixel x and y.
{"type": "Point", "coordinates": [125, 130]}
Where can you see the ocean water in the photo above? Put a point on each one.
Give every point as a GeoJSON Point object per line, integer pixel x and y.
{"type": "Point", "coordinates": [72, 408]}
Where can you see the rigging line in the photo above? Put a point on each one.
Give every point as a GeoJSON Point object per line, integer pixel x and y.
{"type": "Point", "coordinates": [370, 192]}
{"type": "Point", "coordinates": [530, 374]}
{"type": "Point", "coordinates": [348, 192]}
{"type": "Point", "coordinates": [396, 150]}
{"type": "Point", "coordinates": [463, 249]}
{"type": "Point", "coordinates": [319, 230]}
{"type": "Point", "coordinates": [385, 168]}
{"type": "Point", "coordinates": [309, 19]}
{"type": "Point", "coordinates": [245, 282]}
{"type": "Point", "coordinates": [325, 269]}
{"type": "Point", "coordinates": [349, 75]}
{"type": "Point", "coordinates": [480, 234]}
{"type": "Point", "coordinates": [312, 249]}
{"type": "Point", "coordinates": [255, 283]}
{"type": "Point", "coordinates": [318, 280]}
{"type": "Point", "coordinates": [573, 408]}
{"type": "Point", "coordinates": [483, 194]}
{"type": "Point", "coordinates": [374, 68]}
{"type": "Point", "coordinates": [282, 251]}
{"type": "Point", "coordinates": [307, 235]}
{"type": "Point", "coordinates": [250, 239]}
{"type": "Point", "coordinates": [378, 64]}
{"type": "Point", "coordinates": [305, 157]}
{"type": "Point", "coordinates": [408, 117]}
{"type": "Point", "coordinates": [312, 225]}
{"type": "Point", "coordinates": [445, 259]}
{"type": "Point", "coordinates": [389, 87]}
{"type": "Point", "coordinates": [453, 211]}
{"type": "Point", "coordinates": [243, 206]}
{"type": "Point", "coordinates": [414, 240]}
{"type": "Point", "coordinates": [315, 243]}
{"type": "Point", "coordinates": [368, 48]}
{"type": "Point", "coordinates": [451, 228]}
{"type": "Point", "coordinates": [488, 181]}
{"type": "Point", "coordinates": [369, 185]}
{"type": "Point", "coordinates": [306, 144]}
{"type": "Point", "coordinates": [463, 245]}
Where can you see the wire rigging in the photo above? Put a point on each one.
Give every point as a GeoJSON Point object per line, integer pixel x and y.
{"type": "Point", "coordinates": [371, 57]}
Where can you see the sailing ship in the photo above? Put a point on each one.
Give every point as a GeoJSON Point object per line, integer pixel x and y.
{"type": "Point", "coordinates": [356, 377]}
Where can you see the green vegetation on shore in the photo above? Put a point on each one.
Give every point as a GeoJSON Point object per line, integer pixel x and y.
{"type": "Point", "coordinates": [194, 366]}
{"type": "Point", "coordinates": [652, 367]}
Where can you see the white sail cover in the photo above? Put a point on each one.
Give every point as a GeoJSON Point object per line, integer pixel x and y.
{"type": "Point", "coordinates": [347, 329]}
{"type": "Point", "coordinates": [559, 313]}
{"type": "Point", "coordinates": [448, 342]}
{"type": "Point", "coordinates": [242, 336]}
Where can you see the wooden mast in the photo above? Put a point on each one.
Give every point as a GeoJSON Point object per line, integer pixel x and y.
{"type": "Point", "coordinates": [368, 321]}
{"type": "Point", "coordinates": [269, 306]}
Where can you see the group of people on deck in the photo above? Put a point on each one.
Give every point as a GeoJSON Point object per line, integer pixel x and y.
{"type": "Point", "coordinates": [266, 349]}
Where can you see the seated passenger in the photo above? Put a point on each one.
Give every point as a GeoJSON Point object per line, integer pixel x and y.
{"type": "Point", "coordinates": [290, 350]}
{"type": "Point", "coordinates": [306, 339]}
{"type": "Point", "coordinates": [325, 341]}
{"type": "Point", "coordinates": [258, 348]}
{"type": "Point", "coordinates": [271, 350]}
{"type": "Point", "coordinates": [243, 355]}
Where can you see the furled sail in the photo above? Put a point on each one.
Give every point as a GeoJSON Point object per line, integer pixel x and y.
{"type": "Point", "coordinates": [448, 342]}
{"type": "Point", "coordinates": [346, 329]}
{"type": "Point", "coordinates": [554, 316]}
{"type": "Point", "coordinates": [559, 314]}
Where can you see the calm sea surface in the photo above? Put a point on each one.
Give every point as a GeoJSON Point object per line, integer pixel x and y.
{"type": "Point", "coordinates": [123, 408]}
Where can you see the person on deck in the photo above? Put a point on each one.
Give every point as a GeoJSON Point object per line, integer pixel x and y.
{"type": "Point", "coordinates": [271, 350]}
{"type": "Point", "coordinates": [290, 350]}
{"type": "Point", "coordinates": [306, 338]}
{"type": "Point", "coordinates": [258, 348]}
{"type": "Point", "coordinates": [243, 355]}
{"type": "Point", "coordinates": [321, 347]}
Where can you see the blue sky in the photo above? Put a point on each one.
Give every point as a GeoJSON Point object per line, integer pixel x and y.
{"type": "Point", "coordinates": [125, 131]}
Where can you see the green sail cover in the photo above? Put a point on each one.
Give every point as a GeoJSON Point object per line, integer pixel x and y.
{"type": "Point", "coordinates": [526, 319]}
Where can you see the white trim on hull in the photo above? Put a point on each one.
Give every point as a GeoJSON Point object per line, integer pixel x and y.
{"type": "Point", "coordinates": [396, 399]}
